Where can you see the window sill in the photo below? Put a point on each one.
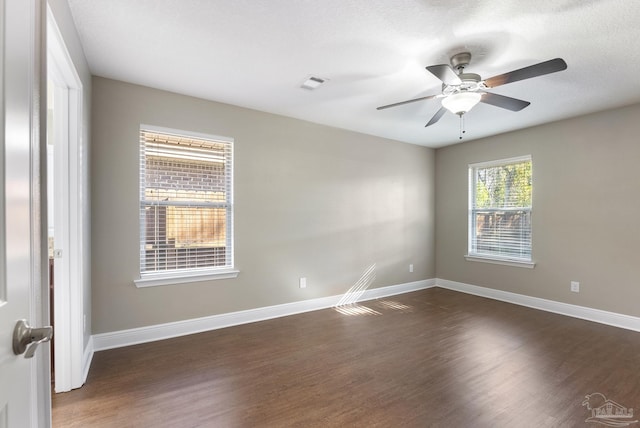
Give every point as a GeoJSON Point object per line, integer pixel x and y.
{"type": "Point", "coordinates": [182, 278]}
{"type": "Point", "coordinates": [498, 261]}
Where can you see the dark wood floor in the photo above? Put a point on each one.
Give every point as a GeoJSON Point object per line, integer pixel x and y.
{"type": "Point", "coordinates": [433, 358]}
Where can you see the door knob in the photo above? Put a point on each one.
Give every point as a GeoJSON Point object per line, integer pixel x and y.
{"type": "Point", "coordinates": [26, 338]}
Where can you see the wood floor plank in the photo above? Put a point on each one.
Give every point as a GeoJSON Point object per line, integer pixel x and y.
{"type": "Point", "coordinates": [433, 358]}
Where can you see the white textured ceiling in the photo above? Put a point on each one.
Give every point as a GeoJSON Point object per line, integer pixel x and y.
{"type": "Point", "coordinates": [257, 53]}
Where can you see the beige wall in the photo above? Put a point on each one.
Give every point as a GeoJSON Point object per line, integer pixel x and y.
{"type": "Point", "coordinates": [310, 201]}
{"type": "Point", "coordinates": [64, 20]}
{"type": "Point", "coordinates": [586, 206]}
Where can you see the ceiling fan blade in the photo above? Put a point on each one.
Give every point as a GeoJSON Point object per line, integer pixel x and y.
{"type": "Point", "coordinates": [445, 73]}
{"type": "Point", "coordinates": [501, 101]}
{"type": "Point", "coordinates": [406, 102]}
{"type": "Point", "coordinates": [436, 117]}
{"type": "Point", "coordinates": [535, 70]}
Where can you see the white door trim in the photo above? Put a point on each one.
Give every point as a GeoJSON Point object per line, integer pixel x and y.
{"type": "Point", "coordinates": [69, 293]}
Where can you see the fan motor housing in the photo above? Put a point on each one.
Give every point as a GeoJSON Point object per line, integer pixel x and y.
{"type": "Point", "coordinates": [471, 82]}
{"type": "Point", "coordinates": [469, 77]}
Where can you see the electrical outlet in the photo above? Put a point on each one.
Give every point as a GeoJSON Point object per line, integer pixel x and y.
{"type": "Point", "coordinates": [411, 268]}
{"type": "Point", "coordinates": [575, 286]}
{"type": "Point", "coordinates": [303, 282]}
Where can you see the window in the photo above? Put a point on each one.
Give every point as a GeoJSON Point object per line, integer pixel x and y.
{"type": "Point", "coordinates": [186, 207]}
{"type": "Point", "coordinates": [500, 211]}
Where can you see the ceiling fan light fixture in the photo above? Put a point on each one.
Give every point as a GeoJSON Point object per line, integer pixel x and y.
{"type": "Point", "coordinates": [461, 102]}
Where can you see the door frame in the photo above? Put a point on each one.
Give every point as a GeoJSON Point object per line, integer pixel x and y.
{"type": "Point", "coordinates": [69, 322]}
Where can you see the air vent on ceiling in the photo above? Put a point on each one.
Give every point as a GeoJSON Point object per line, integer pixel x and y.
{"type": "Point", "coordinates": [312, 83]}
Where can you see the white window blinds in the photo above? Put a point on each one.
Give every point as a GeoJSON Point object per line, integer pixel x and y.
{"type": "Point", "coordinates": [186, 203]}
{"type": "Point", "coordinates": [500, 209]}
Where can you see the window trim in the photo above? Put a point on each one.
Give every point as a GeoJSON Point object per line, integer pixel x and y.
{"type": "Point", "coordinates": [500, 261]}
{"type": "Point", "coordinates": [489, 258]}
{"type": "Point", "coordinates": [174, 277]}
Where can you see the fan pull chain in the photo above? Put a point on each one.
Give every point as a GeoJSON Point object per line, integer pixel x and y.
{"type": "Point", "coordinates": [462, 130]}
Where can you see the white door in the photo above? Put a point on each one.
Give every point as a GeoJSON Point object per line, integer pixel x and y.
{"type": "Point", "coordinates": [22, 399]}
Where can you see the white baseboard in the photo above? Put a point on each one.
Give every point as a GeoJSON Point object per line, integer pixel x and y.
{"type": "Point", "coordinates": [117, 339]}
{"type": "Point", "coordinates": [152, 333]}
{"type": "Point", "coordinates": [86, 359]}
{"type": "Point", "coordinates": [596, 315]}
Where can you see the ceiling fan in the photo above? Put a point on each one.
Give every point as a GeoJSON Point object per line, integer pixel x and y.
{"type": "Point", "coordinates": [462, 91]}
